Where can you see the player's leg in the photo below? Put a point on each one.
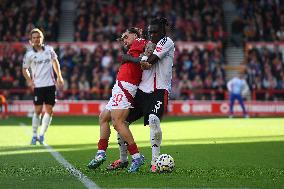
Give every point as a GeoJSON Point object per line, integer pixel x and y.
{"type": "Point", "coordinates": [122, 100]}
{"type": "Point", "coordinates": [118, 119]}
{"type": "Point", "coordinates": [46, 121]}
{"type": "Point", "coordinates": [155, 138]}
{"type": "Point", "coordinates": [100, 156]}
{"type": "Point", "coordinates": [122, 162]}
{"type": "Point", "coordinates": [232, 100]}
{"type": "Point", "coordinates": [38, 105]}
{"type": "Point", "coordinates": [36, 122]}
{"type": "Point", "coordinates": [49, 100]}
{"type": "Point", "coordinates": [122, 148]}
{"type": "Point", "coordinates": [156, 112]}
{"type": "Point", "coordinates": [135, 114]}
{"type": "Point", "coordinates": [241, 101]}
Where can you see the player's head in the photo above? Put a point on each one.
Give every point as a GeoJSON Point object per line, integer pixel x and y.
{"type": "Point", "coordinates": [157, 29]}
{"type": "Point", "coordinates": [36, 37]}
{"type": "Point", "coordinates": [130, 35]}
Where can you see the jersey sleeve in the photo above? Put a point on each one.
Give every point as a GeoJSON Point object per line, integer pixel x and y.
{"type": "Point", "coordinates": [53, 54]}
{"type": "Point", "coordinates": [163, 47]}
{"type": "Point", "coordinates": [27, 61]}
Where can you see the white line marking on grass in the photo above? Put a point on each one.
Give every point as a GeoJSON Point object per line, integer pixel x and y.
{"type": "Point", "coordinates": [71, 169]}
{"type": "Point", "coordinates": [75, 172]}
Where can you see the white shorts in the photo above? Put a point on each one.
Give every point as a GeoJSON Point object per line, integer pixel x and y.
{"type": "Point", "coordinates": [122, 96]}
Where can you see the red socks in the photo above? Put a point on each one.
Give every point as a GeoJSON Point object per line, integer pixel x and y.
{"type": "Point", "coordinates": [132, 148]}
{"type": "Point", "coordinates": [103, 144]}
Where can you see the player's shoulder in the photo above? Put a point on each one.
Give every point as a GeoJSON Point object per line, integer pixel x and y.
{"type": "Point", "coordinates": [140, 39]}
{"type": "Point", "coordinates": [29, 52]}
{"type": "Point", "coordinates": [138, 43]}
{"type": "Point", "coordinates": [165, 41]}
{"type": "Point", "coordinates": [48, 47]}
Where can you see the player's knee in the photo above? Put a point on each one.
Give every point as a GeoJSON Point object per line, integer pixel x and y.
{"type": "Point", "coordinates": [37, 112]}
{"type": "Point", "coordinates": [154, 121]}
{"type": "Point", "coordinates": [104, 118]}
{"type": "Point", "coordinates": [117, 121]}
{"type": "Point", "coordinates": [49, 112]}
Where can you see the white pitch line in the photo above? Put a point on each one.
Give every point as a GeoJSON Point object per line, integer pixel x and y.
{"type": "Point", "coordinates": [71, 169]}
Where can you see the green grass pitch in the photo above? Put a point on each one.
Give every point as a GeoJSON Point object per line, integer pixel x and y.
{"type": "Point", "coordinates": [208, 153]}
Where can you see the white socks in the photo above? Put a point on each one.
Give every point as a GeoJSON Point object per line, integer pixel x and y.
{"type": "Point", "coordinates": [155, 136]}
{"type": "Point", "coordinates": [35, 124]}
{"type": "Point", "coordinates": [155, 139]}
{"type": "Point", "coordinates": [46, 120]}
{"type": "Point", "coordinates": [122, 148]}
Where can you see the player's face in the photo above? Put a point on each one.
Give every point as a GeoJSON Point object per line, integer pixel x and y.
{"type": "Point", "coordinates": [36, 39]}
{"type": "Point", "coordinates": [154, 33]}
{"type": "Point", "coordinates": [128, 38]}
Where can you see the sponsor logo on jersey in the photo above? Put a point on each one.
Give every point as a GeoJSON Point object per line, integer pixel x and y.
{"type": "Point", "coordinates": [159, 49]}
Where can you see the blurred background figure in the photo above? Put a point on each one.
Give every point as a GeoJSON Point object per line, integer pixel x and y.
{"type": "Point", "coordinates": [237, 88]}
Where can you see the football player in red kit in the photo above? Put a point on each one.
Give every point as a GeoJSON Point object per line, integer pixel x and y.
{"type": "Point", "coordinates": [128, 78]}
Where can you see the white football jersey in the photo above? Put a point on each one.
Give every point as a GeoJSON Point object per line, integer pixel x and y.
{"type": "Point", "coordinates": [160, 75]}
{"type": "Point", "coordinates": [41, 66]}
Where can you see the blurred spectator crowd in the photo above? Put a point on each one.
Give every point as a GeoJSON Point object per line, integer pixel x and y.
{"type": "Point", "coordinates": [258, 20]}
{"type": "Point", "coordinates": [189, 20]}
{"type": "Point", "coordinates": [19, 17]}
{"type": "Point", "coordinates": [90, 74]}
{"type": "Point", "coordinates": [265, 70]}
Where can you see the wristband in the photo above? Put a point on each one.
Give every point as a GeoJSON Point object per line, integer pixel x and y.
{"type": "Point", "coordinates": [144, 58]}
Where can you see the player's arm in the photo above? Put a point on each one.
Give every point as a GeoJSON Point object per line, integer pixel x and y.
{"type": "Point", "coordinates": [153, 59]}
{"type": "Point", "coordinates": [57, 70]}
{"type": "Point", "coordinates": [26, 72]}
{"type": "Point", "coordinates": [245, 88]}
{"type": "Point", "coordinates": [149, 49]}
{"type": "Point", "coordinates": [161, 50]}
{"type": "Point", "coordinates": [28, 77]}
{"type": "Point", "coordinates": [129, 58]}
{"type": "Point", "coordinates": [229, 86]}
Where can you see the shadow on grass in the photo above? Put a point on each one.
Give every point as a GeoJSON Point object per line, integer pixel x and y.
{"type": "Point", "coordinates": [93, 120]}
{"type": "Point", "coordinates": [195, 141]}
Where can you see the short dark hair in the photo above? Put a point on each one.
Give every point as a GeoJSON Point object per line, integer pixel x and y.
{"type": "Point", "coordinates": [134, 30]}
{"type": "Point", "coordinates": [161, 22]}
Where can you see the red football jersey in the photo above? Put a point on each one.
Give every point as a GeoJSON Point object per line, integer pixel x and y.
{"type": "Point", "coordinates": [131, 72]}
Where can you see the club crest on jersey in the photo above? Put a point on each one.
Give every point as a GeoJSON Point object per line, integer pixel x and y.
{"type": "Point", "coordinates": [159, 49]}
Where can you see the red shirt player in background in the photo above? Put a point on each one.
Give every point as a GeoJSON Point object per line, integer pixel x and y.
{"type": "Point", "coordinates": [128, 78]}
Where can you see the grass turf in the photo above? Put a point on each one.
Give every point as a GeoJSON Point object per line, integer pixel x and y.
{"type": "Point", "coordinates": [215, 153]}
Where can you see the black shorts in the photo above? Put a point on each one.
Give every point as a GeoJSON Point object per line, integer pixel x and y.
{"type": "Point", "coordinates": [148, 103]}
{"type": "Point", "coordinates": [44, 95]}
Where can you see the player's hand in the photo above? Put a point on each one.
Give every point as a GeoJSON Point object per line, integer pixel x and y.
{"type": "Point", "coordinates": [31, 84]}
{"type": "Point", "coordinates": [145, 65]}
{"type": "Point", "coordinates": [60, 82]}
{"type": "Point", "coordinates": [149, 48]}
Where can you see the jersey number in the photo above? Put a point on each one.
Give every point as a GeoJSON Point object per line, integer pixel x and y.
{"type": "Point", "coordinates": [116, 99]}
{"type": "Point", "coordinates": [157, 106]}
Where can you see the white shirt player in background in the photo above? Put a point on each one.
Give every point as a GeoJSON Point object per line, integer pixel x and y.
{"type": "Point", "coordinates": [39, 65]}
{"type": "Point", "coordinates": [237, 88]}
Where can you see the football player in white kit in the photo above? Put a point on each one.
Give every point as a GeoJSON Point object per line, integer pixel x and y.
{"type": "Point", "coordinates": [39, 64]}
{"type": "Point", "coordinates": [152, 95]}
